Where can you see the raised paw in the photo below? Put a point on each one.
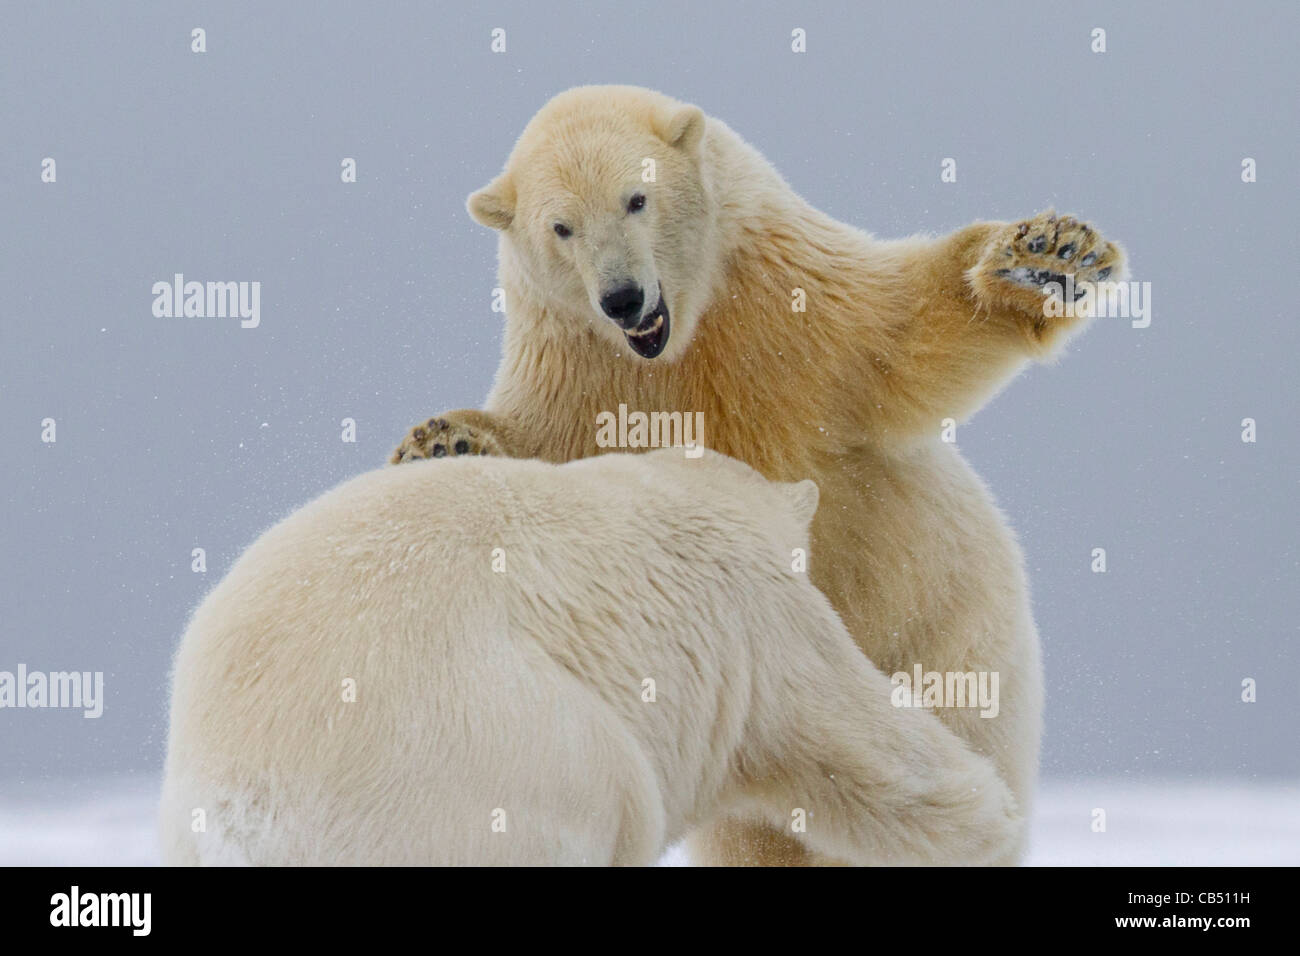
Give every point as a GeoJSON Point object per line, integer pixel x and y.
{"type": "Point", "coordinates": [444, 437]}
{"type": "Point", "coordinates": [1048, 255]}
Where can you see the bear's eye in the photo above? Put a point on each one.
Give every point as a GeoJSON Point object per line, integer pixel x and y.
{"type": "Point", "coordinates": [563, 231]}
{"type": "Point", "coordinates": [636, 203]}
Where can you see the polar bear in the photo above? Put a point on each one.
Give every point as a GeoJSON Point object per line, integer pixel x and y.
{"type": "Point", "coordinates": [492, 661]}
{"type": "Point", "coordinates": [652, 258]}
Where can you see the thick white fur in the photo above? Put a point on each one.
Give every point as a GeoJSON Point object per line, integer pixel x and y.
{"type": "Point", "coordinates": [480, 691]}
{"type": "Point", "coordinates": [852, 390]}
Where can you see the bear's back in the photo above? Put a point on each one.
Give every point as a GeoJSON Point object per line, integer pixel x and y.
{"type": "Point", "coordinates": [435, 635]}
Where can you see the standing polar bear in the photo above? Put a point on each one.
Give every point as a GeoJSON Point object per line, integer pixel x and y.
{"type": "Point", "coordinates": [653, 259]}
{"type": "Point", "coordinates": [488, 661]}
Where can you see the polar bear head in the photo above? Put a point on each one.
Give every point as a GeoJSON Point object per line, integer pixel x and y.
{"type": "Point", "coordinates": [607, 218]}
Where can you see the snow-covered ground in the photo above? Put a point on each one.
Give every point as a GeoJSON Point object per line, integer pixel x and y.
{"type": "Point", "coordinates": [111, 822]}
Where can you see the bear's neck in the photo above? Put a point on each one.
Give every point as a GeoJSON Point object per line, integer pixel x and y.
{"type": "Point", "coordinates": [751, 345]}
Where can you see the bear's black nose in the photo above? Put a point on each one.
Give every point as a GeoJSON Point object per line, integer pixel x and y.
{"type": "Point", "coordinates": [623, 305]}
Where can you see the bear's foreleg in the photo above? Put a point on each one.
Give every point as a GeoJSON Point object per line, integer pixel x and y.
{"type": "Point", "coordinates": [962, 313]}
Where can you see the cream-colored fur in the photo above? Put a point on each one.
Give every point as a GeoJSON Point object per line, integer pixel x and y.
{"type": "Point", "coordinates": [497, 621]}
{"type": "Point", "coordinates": [896, 337]}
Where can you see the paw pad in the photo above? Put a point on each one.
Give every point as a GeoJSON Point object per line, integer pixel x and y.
{"type": "Point", "coordinates": [1048, 249]}
{"type": "Point", "coordinates": [443, 438]}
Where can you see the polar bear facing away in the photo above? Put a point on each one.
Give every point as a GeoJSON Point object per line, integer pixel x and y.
{"type": "Point", "coordinates": [497, 661]}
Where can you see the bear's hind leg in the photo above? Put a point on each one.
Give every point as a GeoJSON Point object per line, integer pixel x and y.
{"type": "Point", "coordinates": [837, 766]}
{"type": "Point", "coordinates": [743, 841]}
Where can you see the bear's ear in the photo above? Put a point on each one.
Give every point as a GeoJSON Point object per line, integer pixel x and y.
{"type": "Point", "coordinates": [803, 497]}
{"type": "Point", "coordinates": [684, 128]}
{"type": "Point", "coordinates": [494, 205]}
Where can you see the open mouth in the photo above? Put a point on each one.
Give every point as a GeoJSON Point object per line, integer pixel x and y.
{"type": "Point", "coordinates": [649, 336]}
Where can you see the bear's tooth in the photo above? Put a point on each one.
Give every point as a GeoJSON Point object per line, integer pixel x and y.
{"type": "Point", "coordinates": [659, 320]}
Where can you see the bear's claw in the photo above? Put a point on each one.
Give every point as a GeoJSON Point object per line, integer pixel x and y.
{"type": "Point", "coordinates": [440, 438]}
{"type": "Point", "coordinates": [1044, 250]}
